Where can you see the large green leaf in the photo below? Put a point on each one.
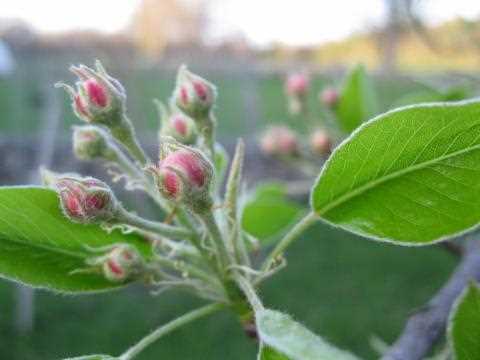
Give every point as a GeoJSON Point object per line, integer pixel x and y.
{"type": "Point", "coordinates": [464, 327]}
{"type": "Point", "coordinates": [411, 175]}
{"type": "Point", "coordinates": [94, 357]}
{"type": "Point", "coordinates": [267, 353]}
{"type": "Point", "coordinates": [288, 337]}
{"type": "Point", "coordinates": [39, 246]}
{"type": "Point", "coordinates": [358, 101]}
{"type": "Point", "coordinates": [268, 213]}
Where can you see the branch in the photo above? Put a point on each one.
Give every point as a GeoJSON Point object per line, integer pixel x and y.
{"type": "Point", "coordinates": [424, 328]}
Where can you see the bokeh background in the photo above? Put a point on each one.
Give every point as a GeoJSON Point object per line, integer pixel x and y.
{"type": "Point", "coordinates": [343, 287]}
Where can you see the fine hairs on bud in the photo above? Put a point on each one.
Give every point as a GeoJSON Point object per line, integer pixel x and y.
{"type": "Point", "coordinates": [97, 98]}
{"type": "Point", "coordinates": [184, 174]}
{"type": "Point", "coordinates": [176, 124]}
{"type": "Point", "coordinates": [121, 263]}
{"type": "Point", "coordinates": [194, 95]}
{"type": "Point", "coordinates": [83, 200]}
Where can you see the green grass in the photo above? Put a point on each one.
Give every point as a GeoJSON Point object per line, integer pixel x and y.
{"type": "Point", "coordinates": [343, 287]}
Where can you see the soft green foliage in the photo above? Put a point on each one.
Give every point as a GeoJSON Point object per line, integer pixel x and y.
{"type": "Point", "coordinates": [267, 353]}
{"type": "Point", "coordinates": [358, 101]}
{"type": "Point", "coordinates": [464, 328]}
{"type": "Point", "coordinates": [280, 332]}
{"type": "Point", "coordinates": [269, 212]}
{"type": "Point", "coordinates": [41, 247]}
{"type": "Point", "coordinates": [455, 93]}
{"type": "Point", "coordinates": [409, 176]}
{"type": "Point", "coordinates": [93, 357]}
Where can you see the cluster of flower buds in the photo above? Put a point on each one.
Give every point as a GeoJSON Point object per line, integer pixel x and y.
{"type": "Point", "coordinates": [329, 97]}
{"type": "Point", "coordinates": [320, 142]}
{"type": "Point", "coordinates": [83, 200]}
{"type": "Point", "coordinates": [279, 141]}
{"type": "Point", "coordinates": [177, 125]}
{"type": "Point", "coordinates": [90, 142]}
{"type": "Point", "coordinates": [296, 89]}
{"type": "Point", "coordinates": [184, 174]}
{"type": "Point", "coordinates": [193, 95]}
{"type": "Point", "coordinates": [98, 98]}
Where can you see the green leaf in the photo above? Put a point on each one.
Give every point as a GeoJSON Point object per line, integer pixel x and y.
{"type": "Point", "coordinates": [288, 337]}
{"type": "Point", "coordinates": [358, 101]}
{"type": "Point", "coordinates": [267, 353]}
{"type": "Point", "coordinates": [94, 357]}
{"type": "Point", "coordinates": [268, 213]}
{"type": "Point", "coordinates": [409, 176]}
{"type": "Point", "coordinates": [464, 325]}
{"type": "Point", "coordinates": [39, 246]}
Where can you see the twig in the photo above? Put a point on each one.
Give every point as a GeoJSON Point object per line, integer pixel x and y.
{"type": "Point", "coordinates": [425, 327]}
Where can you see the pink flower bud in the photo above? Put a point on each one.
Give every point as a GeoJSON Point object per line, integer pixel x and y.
{"type": "Point", "coordinates": [121, 263]}
{"type": "Point", "coordinates": [297, 84]}
{"type": "Point", "coordinates": [194, 95]}
{"type": "Point", "coordinates": [96, 92]}
{"type": "Point", "coordinates": [89, 143]}
{"type": "Point", "coordinates": [329, 97]}
{"type": "Point", "coordinates": [83, 200]}
{"type": "Point", "coordinates": [185, 175]}
{"type": "Point", "coordinates": [320, 142]}
{"type": "Point", "coordinates": [280, 141]}
{"type": "Point", "coordinates": [181, 128]}
{"type": "Point", "coordinates": [98, 98]}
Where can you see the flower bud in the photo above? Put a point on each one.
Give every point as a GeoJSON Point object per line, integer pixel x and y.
{"type": "Point", "coordinates": [320, 142]}
{"type": "Point", "coordinates": [176, 124]}
{"type": "Point", "coordinates": [121, 263]}
{"type": "Point", "coordinates": [193, 95]}
{"type": "Point", "coordinates": [83, 200]}
{"type": "Point", "coordinates": [297, 85]}
{"type": "Point", "coordinates": [98, 98]}
{"type": "Point", "coordinates": [329, 97]}
{"type": "Point", "coordinates": [184, 175]}
{"type": "Point", "coordinates": [279, 141]}
{"type": "Point", "coordinates": [90, 143]}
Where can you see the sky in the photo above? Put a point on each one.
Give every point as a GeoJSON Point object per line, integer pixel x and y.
{"type": "Point", "coordinates": [292, 22]}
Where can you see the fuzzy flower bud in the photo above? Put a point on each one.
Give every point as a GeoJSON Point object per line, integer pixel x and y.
{"type": "Point", "coordinates": [329, 97]}
{"type": "Point", "coordinates": [83, 200]}
{"type": "Point", "coordinates": [320, 142]}
{"type": "Point", "coordinates": [90, 143]}
{"type": "Point", "coordinates": [193, 95]}
{"type": "Point", "coordinates": [297, 85]}
{"type": "Point", "coordinates": [98, 98]}
{"type": "Point", "coordinates": [279, 141]}
{"type": "Point", "coordinates": [176, 124]}
{"type": "Point", "coordinates": [121, 263]}
{"type": "Point", "coordinates": [185, 174]}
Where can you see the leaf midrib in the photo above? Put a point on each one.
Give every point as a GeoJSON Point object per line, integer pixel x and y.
{"type": "Point", "coordinates": [6, 238]}
{"type": "Point", "coordinates": [369, 185]}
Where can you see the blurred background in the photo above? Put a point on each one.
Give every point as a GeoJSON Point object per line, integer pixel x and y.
{"type": "Point", "coordinates": [344, 288]}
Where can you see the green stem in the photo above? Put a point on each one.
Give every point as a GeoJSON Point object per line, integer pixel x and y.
{"type": "Point", "coordinates": [169, 327]}
{"type": "Point", "coordinates": [216, 236]}
{"type": "Point", "coordinates": [288, 239]}
{"type": "Point", "coordinates": [124, 133]}
{"type": "Point", "coordinates": [249, 292]}
{"type": "Point", "coordinates": [172, 232]}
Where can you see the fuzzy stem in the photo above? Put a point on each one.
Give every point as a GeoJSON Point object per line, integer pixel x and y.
{"type": "Point", "coordinates": [169, 327]}
{"type": "Point", "coordinates": [172, 232]}
{"type": "Point", "coordinates": [288, 239]}
{"type": "Point", "coordinates": [249, 292]}
{"type": "Point", "coordinates": [124, 133]}
{"type": "Point", "coordinates": [216, 236]}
